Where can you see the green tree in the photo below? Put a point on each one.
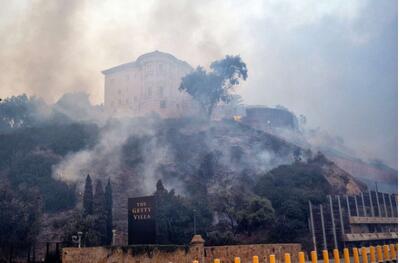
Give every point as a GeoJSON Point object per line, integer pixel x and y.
{"type": "Point", "coordinates": [109, 211]}
{"type": "Point", "coordinates": [100, 212]}
{"type": "Point", "coordinates": [290, 187]}
{"type": "Point", "coordinates": [242, 212]}
{"type": "Point", "coordinates": [28, 155]}
{"type": "Point", "coordinates": [19, 219]}
{"type": "Point", "coordinates": [99, 199]}
{"type": "Point", "coordinates": [174, 217]}
{"type": "Point", "coordinates": [209, 88]}
{"type": "Point", "coordinates": [88, 225]}
{"type": "Point", "coordinates": [19, 111]}
{"type": "Point", "coordinates": [92, 224]}
{"type": "Point", "coordinates": [258, 213]}
{"type": "Point", "coordinates": [88, 197]}
{"type": "Point", "coordinates": [92, 221]}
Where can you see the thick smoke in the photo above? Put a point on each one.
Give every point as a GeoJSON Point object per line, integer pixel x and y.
{"type": "Point", "coordinates": [135, 153]}
{"type": "Point", "coordinates": [158, 140]}
{"type": "Point", "coordinates": [43, 51]}
{"type": "Point", "coordinates": [105, 159]}
{"type": "Point", "coordinates": [55, 47]}
{"type": "Point", "coordinates": [335, 61]}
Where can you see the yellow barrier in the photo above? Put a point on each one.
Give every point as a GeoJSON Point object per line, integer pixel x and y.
{"type": "Point", "coordinates": [301, 257]}
{"type": "Point", "coordinates": [195, 261]}
{"type": "Point", "coordinates": [346, 255]}
{"type": "Point", "coordinates": [386, 252]}
{"type": "Point", "coordinates": [393, 253]}
{"type": "Point", "coordinates": [287, 258]}
{"type": "Point", "coordinates": [336, 257]}
{"type": "Point", "coordinates": [314, 257]}
{"type": "Point", "coordinates": [325, 256]}
{"type": "Point", "coordinates": [379, 253]}
{"type": "Point", "coordinates": [376, 255]}
{"type": "Point", "coordinates": [356, 256]}
{"type": "Point", "coordinates": [364, 255]}
{"type": "Point", "coordinates": [372, 254]}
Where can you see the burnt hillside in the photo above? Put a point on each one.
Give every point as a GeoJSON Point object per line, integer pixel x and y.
{"type": "Point", "coordinates": [225, 170]}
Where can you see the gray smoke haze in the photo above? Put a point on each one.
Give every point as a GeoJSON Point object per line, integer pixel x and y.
{"type": "Point", "coordinates": [108, 159]}
{"type": "Point", "coordinates": [333, 61]}
{"type": "Point", "coordinates": [40, 55]}
{"type": "Point", "coordinates": [105, 159]}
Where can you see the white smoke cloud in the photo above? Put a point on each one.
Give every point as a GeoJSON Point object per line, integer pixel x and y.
{"type": "Point", "coordinates": [105, 159]}
{"type": "Point", "coordinates": [333, 61]}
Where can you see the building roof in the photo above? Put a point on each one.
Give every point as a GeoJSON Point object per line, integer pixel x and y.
{"type": "Point", "coordinates": [143, 57]}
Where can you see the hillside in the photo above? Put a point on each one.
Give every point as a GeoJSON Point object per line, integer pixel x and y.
{"type": "Point", "coordinates": [369, 172]}
{"type": "Point", "coordinates": [223, 170]}
{"type": "Point", "coordinates": [216, 156]}
{"type": "Point", "coordinates": [283, 124]}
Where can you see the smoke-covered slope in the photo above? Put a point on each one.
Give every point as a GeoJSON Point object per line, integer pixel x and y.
{"type": "Point", "coordinates": [188, 155]}
{"type": "Point", "coordinates": [207, 163]}
{"type": "Point", "coordinates": [333, 147]}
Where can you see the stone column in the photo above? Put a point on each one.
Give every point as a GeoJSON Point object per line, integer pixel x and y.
{"type": "Point", "coordinates": [196, 250]}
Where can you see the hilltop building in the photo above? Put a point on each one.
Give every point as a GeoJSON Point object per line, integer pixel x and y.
{"type": "Point", "coordinates": [148, 85]}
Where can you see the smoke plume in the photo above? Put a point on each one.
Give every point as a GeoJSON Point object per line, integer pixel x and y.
{"type": "Point", "coordinates": [335, 62]}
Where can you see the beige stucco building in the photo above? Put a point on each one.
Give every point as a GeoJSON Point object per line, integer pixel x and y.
{"type": "Point", "coordinates": [146, 86]}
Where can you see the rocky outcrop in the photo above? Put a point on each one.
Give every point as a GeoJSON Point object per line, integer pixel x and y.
{"type": "Point", "coordinates": [341, 181]}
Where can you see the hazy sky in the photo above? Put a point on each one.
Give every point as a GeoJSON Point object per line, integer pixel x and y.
{"type": "Point", "coordinates": [333, 61]}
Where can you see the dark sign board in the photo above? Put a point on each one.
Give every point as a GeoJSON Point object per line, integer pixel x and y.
{"type": "Point", "coordinates": [141, 221]}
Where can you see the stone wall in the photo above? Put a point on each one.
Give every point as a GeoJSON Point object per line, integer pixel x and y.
{"type": "Point", "coordinates": [124, 254]}
{"type": "Point", "coordinates": [179, 254]}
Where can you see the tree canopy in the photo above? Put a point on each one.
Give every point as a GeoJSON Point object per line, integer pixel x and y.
{"type": "Point", "coordinates": [19, 218]}
{"type": "Point", "coordinates": [209, 88]}
{"type": "Point", "coordinates": [290, 187]}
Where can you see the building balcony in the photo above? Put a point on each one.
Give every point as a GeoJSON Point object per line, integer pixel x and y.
{"type": "Point", "coordinates": [372, 220]}
{"type": "Point", "coordinates": [369, 236]}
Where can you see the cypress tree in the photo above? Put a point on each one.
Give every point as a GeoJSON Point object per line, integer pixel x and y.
{"type": "Point", "coordinates": [99, 205]}
{"type": "Point", "coordinates": [88, 197]}
{"type": "Point", "coordinates": [98, 199]}
{"type": "Point", "coordinates": [109, 215]}
{"type": "Point", "coordinates": [160, 189]}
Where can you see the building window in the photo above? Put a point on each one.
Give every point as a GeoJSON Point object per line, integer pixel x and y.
{"type": "Point", "coordinates": [149, 92]}
{"type": "Point", "coordinates": [161, 91]}
{"type": "Point", "coordinates": [163, 104]}
{"type": "Point", "coordinates": [149, 70]}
